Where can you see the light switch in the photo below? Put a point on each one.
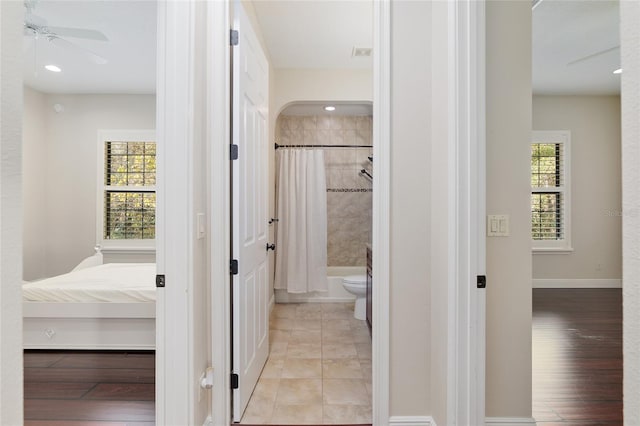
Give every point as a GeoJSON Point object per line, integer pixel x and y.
{"type": "Point", "coordinates": [498, 225]}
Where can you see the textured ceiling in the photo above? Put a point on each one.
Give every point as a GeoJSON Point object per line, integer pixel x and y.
{"type": "Point", "coordinates": [576, 47]}
{"type": "Point", "coordinates": [130, 27]}
{"type": "Point", "coordinates": [574, 43]}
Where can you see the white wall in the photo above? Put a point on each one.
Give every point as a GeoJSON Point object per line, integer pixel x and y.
{"type": "Point", "coordinates": [630, 55]}
{"type": "Point", "coordinates": [596, 234]}
{"type": "Point", "coordinates": [293, 85]}
{"type": "Point", "coordinates": [440, 217]}
{"type": "Point", "coordinates": [410, 228]}
{"type": "Point", "coordinates": [34, 189]}
{"type": "Point", "coordinates": [508, 366]}
{"type": "Point", "coordinates": [11, 384]}
{"type": "Point", "coordinates": [69, 178]}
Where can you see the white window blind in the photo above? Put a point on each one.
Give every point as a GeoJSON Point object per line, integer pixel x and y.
{"type": "Point", "coordinates": [129, 190]}
{"type": "Point", "coordinates": [126, 191]}
{"type": "Point", "coordinates": [550, 191]}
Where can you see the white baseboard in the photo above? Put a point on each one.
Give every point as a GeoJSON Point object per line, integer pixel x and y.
{"type": "Point", "coordinates": [578, 283]}
{"type": "Point", "coordinates": [411, 421]}
{"type": "Point", "coordinates": [489, 421]}
{"type": "Point", "coordinates": [509, 421]}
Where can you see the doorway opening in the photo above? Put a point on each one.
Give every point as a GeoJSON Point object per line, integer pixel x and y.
{"type": "Point", "coordinates": [577, 252]}
{"type": "Point", "coordinates": [89, 173]}
{"type": "Point", "coordinates": [319, 365]}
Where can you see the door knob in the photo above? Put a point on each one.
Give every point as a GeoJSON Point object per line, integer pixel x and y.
{"type": "Point", "coordinates": [271, 247]}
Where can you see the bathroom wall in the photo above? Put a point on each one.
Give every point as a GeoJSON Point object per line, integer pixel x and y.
{"type": "Point", "coordinates": [349, 194]}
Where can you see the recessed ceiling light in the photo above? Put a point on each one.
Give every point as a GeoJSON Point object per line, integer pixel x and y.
{"type": "Point", "coordinates": [329, 108]}
{"type": "Point", "coordinates": [52, 68]}
{"type": "Point", "coordinates": [618, 71]}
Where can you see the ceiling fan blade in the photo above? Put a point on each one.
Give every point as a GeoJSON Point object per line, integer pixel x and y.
{"type": "Point", "coordinates": [93, 57]}
{"type": "Point", "coordinates": [593, 55]}
{"type": "Point", "coordinates": [34, 20]}
{"type": "Point", "coordinates": [77, 33]}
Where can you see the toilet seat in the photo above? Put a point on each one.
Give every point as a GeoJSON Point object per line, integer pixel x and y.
{"type": "Point", "coordinates": [355, 280]}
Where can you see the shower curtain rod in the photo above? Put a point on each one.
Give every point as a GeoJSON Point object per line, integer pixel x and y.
{"type": "Point", "coordinates": [322, 146]}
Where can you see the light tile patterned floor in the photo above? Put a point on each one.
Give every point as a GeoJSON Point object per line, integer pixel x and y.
{"type": "Point", "coordinates": [319, 368]}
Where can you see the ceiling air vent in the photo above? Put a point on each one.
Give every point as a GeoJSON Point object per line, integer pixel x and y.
{"type": "Point", "coordinates": [361, 52]}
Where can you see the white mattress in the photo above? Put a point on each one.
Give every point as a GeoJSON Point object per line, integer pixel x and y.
{"type": "Point", "coordinates": [111, 282]}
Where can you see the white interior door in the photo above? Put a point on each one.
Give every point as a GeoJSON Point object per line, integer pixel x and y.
{"type": "Point", "coordinates": [249, 201]}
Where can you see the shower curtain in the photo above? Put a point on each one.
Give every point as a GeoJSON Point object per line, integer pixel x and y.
{"type": "Point", "coordinates": [301, 238]}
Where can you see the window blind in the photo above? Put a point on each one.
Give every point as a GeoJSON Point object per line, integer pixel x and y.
{"type": "Point", "coordinates": [129, 190]}
{"type": "Point", "coordinates": [548, 188]}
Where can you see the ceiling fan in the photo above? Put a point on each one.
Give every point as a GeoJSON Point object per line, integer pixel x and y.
{"type": "Point", "coordinates": [594, 55]}
{"type": "Point", "coordinates": [37, 27]}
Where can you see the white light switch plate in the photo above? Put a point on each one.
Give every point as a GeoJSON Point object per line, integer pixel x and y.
{"type": "Point", "coordinates": [498, 225]}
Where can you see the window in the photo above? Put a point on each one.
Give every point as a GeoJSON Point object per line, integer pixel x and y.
{"type": "Point", "coordinates": [550, 191]}
{"type": "Point", "coordinates": [127, 193]}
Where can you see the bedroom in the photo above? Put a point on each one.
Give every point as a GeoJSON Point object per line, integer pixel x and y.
{"type": "Point", "coordinates": [70, 117]}
{"type": "Point", "coordinates": [65, 113]}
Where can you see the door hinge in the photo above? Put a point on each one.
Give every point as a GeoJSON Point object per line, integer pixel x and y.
{"type": "Point", "coordinates": [234, 37]}
{"type": "Point", "coordinates": [234, 381]}
{"type": "Point", "coordinates": [234, 151]}
{"type": "Point", "coordinates": [160, 281]}
{"type": "Point", "coordinates": [481, 281]}
{"type": "Point", "coordinates": [234, 266]}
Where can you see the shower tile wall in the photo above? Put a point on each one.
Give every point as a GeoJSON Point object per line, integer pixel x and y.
{"type": "Point", "coordinates": [349, 198]}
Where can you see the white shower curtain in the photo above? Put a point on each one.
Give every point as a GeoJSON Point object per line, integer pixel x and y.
{"type": "Point", "coordinates": [301, 239]}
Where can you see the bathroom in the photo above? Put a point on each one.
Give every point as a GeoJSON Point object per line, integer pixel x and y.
{"type": "Point", "coordinates": [319, 365]}
{"type": "Point", "coordinates": [347, 172]}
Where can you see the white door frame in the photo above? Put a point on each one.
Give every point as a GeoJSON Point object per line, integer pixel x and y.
{"type": "Point", "coordinates": [466, 326]}
{"type": "Point", "coordinates": [180, 134]}
{"type": "Point", "coordinates": [219, 100]}
{"type": "Point", "coordinates": [467, 198]}
{"type": "Point", "coordinates": [171, 302]}
{"type": "Point", "coordinates": [381, 209]}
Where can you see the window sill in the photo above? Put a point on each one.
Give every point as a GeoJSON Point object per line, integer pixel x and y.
{"type": "Point", "coordinates": [552, 250]}
{"type": "Point", "coordinates": [120, 248]}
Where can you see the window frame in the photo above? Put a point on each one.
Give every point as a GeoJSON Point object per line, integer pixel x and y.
{"type": "Point", "coordinates": [120, 245]}
{"type": "Point", "coordinates": [562, 137]}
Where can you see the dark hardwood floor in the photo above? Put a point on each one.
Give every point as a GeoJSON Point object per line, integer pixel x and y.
{"type": "Point", "coordinates": [577, 357]}
{"type": "Point", "coordinates": [577, 371]}
{"type": "Point", "coordinates": [83, 388]}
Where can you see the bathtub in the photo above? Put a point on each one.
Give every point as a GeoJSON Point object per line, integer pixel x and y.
{"type": "Point", "coordinates": [335, 293]}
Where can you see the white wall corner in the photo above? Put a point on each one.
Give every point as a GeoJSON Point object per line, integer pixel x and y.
{"type": "Point", "coordinates": [577, 283]}
{"type": "Point", "coordinates": [11, 386]}
{"type": "Point", "coordinates": [630, 87]}
{"type": "Point", "coordinates": [509, 421]}
{"type": "Point", "coordinates": [411, 421]}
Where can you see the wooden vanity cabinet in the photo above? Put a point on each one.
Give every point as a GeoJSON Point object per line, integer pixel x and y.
{"type": "Point", "coordinates": [369, 289]}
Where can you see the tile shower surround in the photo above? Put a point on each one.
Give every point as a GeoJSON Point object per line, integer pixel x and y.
{"type": "Point", "coordinates": [349, 199]}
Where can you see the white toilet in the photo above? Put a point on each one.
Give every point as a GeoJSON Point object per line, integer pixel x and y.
{"type": "Point", "coordinates": [357, 285]}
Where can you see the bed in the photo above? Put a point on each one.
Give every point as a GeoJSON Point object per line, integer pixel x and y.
{"type": "Point", "coordinates": [95, 306]}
